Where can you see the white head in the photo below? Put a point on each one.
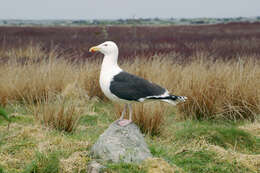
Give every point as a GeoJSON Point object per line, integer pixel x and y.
{"type": "Point", "coordinates": [107, 48]}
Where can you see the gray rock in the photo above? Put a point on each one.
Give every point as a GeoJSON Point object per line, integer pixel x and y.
{"type": "Point", "coordinates": [95, 167]}
{"type": "Point", "coordinates": [121, 144]}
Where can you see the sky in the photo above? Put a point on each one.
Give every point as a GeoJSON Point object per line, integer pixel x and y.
{"type": "Point", "coordinates": [122, 9]}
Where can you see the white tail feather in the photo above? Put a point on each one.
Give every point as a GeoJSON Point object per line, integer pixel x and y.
{"type": "Point", "coordinates": [175, 102]}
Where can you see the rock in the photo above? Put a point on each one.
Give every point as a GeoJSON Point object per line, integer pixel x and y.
{"type": "Point", "coordinates": [95, 167]}
{"type": "Point", "coordinates": [121, 144]}
{"type": "Point", "coordinates": [158, 165]}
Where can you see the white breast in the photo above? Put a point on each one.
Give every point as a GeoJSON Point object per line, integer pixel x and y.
{"type": "Point", "coordinates": [108, 71]}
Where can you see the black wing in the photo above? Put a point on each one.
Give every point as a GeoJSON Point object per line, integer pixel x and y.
{"type": "Point", "coordinates": [130, 87]}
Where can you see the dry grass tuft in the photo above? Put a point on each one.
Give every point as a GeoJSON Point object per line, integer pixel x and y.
{"type": "Point", "coordinates": [60, 114]}
{"type": "Point", "coordinates": [150, 117]}
{"type": "Point", "coordinates": [221, 90]}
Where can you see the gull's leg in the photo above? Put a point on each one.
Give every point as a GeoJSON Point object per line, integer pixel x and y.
{"type": "Point", "coordinates": [126, 122]}
{"type": "Point", "coordinates": [123, 113]}
{"type": "Point", "coordinates": [130, 112]}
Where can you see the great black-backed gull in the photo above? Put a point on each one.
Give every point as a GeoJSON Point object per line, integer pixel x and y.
{"type": "Point", "coordinates": [121, 86]}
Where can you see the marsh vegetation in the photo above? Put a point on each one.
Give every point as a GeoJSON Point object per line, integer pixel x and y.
{"type": "Point", "coordinates": [49, 86]}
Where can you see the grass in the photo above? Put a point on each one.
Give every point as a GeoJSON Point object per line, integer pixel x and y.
{"type": "Point", "coordinates": [124, 168]}
{"type": "Point", "coordinates": [227, 136]}
{"type": "Point", "coordinates": [43, 164]}
{"type": "Point", "coordinates": [1, 170]}
{"type": "Point", "coordinates": [203, 160]}
{"type": "Point", "coordinates": [216, 89]}
{"type": "Point", "coordinates": [209, 146]}
{"type": "Point", "coordinates": [190, 146]}
{"type": "Point", "coordinates": [150, 117]}
{"type": "Point", "coordinates": [191, 161]}
{"type": "Point", "coordinates": [4, 114]}
{"type": "Point", "coordinates": [58, 114]}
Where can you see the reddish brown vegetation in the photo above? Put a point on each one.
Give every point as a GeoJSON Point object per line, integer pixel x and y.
{"type": "Point", "coordinates": [222, 41]}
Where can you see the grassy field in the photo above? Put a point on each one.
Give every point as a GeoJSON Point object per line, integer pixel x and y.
{"type": "Point", "coordinates": [49, 87]}
{"type": "Point", "coordinates": [191, 146]}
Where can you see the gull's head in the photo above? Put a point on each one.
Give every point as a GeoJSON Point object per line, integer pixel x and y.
{"type": "Point", "coordinates": [107, 48]}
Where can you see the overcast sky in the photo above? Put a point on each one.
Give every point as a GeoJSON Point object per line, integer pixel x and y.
{"type": "Point", "coordinates": [115, 9]}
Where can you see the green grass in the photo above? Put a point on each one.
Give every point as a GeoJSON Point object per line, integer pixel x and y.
{"type": "Point", "coordinates": [43, 163]}
{"type": "Point", "coordinates": [124, 168]}
{"type": "Point", "coordinates": [22, 119]}
{"type": "Point", "coordinates": [179, 144]}
{"type": "Point", "coordinates": [1, 169]}
{"type": "Point", "coordinates": [224, 135]}
{"type": "Point", "coordinates": [202, 161]}
{"type": "Point", "coordinates": [205, 162]}
{"type": "Point", "coordinates": [89, 120]}
{"type": "Point", "coordinates": [4, 114]}
{"type": "Point", "coordinates": [19, 145]}
{"type": "Point", "coordinates": [16, 112]}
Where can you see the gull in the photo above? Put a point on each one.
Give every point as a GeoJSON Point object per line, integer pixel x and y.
{"type": "Point", "coordinates": [121, 86]}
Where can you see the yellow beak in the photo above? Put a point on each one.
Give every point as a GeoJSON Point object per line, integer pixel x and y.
{"type": "Point", "coordinates": [94, 49]}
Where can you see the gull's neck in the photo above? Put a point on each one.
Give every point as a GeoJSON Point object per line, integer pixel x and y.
{"type": "Point", "coordinates": [109, 64]}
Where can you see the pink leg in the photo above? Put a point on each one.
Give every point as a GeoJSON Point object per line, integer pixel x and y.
{"type": "Point", "coordinates": [124, 122]}
{"type": "Point", "coordinates": [123, 113]}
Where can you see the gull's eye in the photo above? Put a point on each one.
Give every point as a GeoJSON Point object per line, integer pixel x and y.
{"type": "Point", "coordinates": [105, 44]}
